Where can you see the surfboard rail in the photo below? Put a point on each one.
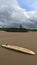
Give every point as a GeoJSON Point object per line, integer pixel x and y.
{"type": "Point", "coordinates": [17, 48]}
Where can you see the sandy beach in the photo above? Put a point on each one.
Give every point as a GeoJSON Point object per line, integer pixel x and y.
{"type": "Point", "coordinates": [23, 39]}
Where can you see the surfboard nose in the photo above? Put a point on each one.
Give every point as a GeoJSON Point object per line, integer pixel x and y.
{"type": "Point", "coordinates": [32, 52]}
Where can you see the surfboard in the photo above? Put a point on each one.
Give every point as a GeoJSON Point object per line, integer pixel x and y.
{"type": "Point", "coordinates": [17, 48]}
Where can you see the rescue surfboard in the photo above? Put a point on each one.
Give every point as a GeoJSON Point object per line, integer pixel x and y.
{"type": "Point", "coordinates": [17, 48]}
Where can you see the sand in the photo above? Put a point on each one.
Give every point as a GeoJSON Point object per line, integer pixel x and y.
{"type": "Point", "coordinates": [23, 39]}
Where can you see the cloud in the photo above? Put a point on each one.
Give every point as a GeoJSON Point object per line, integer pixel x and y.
{"type": "Point", "coordinates": [12, 15]}
{"type": "Point", "coordinates": [10, 12]}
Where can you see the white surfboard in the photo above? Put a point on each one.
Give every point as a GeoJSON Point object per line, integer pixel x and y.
{"type": "Point", "coordinates": [17, 48]}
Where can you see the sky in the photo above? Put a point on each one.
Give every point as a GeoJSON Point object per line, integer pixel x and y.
{"type": "Point", "coordinates": [29, 5]}
{"type": "Point", "coordinates": [16, 12]}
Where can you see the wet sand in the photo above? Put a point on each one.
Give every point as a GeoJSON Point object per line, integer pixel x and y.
{"type": "Point", "coordinates": [24, 39]}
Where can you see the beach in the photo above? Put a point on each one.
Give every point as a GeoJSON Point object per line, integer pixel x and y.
{"type": "Point", "coordinates": [23, 39]}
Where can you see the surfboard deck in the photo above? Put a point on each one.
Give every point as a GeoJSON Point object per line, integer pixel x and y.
{"type": "Point", "coordinates": [17, 48]}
